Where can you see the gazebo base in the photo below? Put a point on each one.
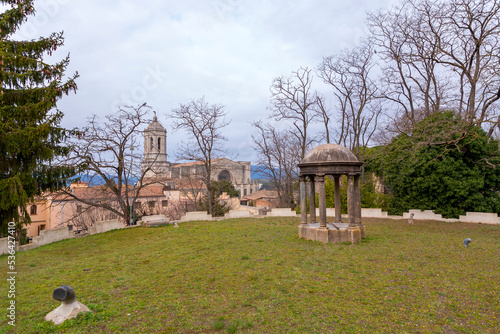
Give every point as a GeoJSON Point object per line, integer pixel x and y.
{"type": "Point", "coordinates": [331, 235]}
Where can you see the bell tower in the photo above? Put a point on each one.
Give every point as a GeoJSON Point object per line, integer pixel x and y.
{"type": "Point", "coordinates": [155, 150]}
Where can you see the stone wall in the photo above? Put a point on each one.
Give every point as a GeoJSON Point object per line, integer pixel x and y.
{"type": "Point", "coordinates": [196, 215]}
{"type": "Point", "coordinates": [373, 213]}
{"type": "Point", "coordinates": [106, 226]}
{"type": "Point", "coordinates": [424, 215]}
{"type": "Point", "coordinates": [57, 234]}
{"type": "Point", "coordinates": [239, 214]}
{"type": "Point", "coordinates": [4, 242]}
{"type": "Point", "coordinates": [480, 217]}
{"type": "Point", "coordinates": [154, 219]}
{"type": "Point", "coordinates": [282, 212]}
{"type": "Point", "coordinates": [53, 235]}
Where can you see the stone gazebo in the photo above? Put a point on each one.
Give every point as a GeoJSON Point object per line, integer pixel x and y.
{"type": "Point", "coordinates": [335, 161]}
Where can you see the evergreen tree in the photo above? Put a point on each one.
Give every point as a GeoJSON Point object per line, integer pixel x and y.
{"type": "Point", "coordinates": [219, 208]}
{"type": "Point", "coordinates": [30, 132]}
{"type": "Point", "coordinates": [444, 164]}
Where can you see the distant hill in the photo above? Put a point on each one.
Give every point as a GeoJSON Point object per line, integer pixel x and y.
{"type": "Point", "coordinates": [97, 180]}
{"type": "Point", "coordinates": [256, 175]}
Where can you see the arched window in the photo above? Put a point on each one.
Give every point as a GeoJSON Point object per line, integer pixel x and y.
{"type": "Point", "coordinates": [244, 192]}
{"type": "Point", "coordinates": [151, 141]}
{"type": "Point", "coordinates": [33, 210]}
{"type": "Point", "coordinates": [159, 143]}
{"type": "Point", "coordinates": [224, 176]}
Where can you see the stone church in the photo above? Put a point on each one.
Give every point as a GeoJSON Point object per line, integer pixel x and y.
{"type": "Point", "coordinates": [155, 157]}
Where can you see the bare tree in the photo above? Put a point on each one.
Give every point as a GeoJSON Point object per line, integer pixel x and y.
{"type": "Point", "coordinates": [193, 188]}
{"type": "Point", "coordinates": [174, 211]}
{"type": "Point", "coordinates": [325, 113]}
{"type": "Point", "coordinates": [278, 155]}
{"type": "Point", "coordinates": [356, 93]}
{"type": "Point", "coordinates": [89, 215]}
{"type": "Point", "coordinates": [105, 153]}
{"type": "Point", "coordinates": [442, 53]}
{"type": "Point", "coordinates": [292, 99]}
{"type": "Point", "coordinates": [203, 124]}
{"type": "Point", "coordinates": [411, 72]}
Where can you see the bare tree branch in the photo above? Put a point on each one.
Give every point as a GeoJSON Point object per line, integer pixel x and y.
{"type": "Point", "coordinates": [203, 124]}
{"type": "Point", "coordinates": [103, 151]}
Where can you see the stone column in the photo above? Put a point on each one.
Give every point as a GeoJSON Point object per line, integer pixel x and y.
{"type": "Point", "coordinates": [351, 200]}
{"type": "Point", "coordinates": [312, 200]}
{"type": "Point", "coordinates": [357, 199]}
{"type": "Point", "coordinates": [320, 179]}
{"type": "Point", "coordinates": [303, 200]}
{"type": "Point", "coordinates": [338, 202]}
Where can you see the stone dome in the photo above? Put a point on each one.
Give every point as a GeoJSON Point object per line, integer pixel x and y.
{"type": "Point", "coordinates": [155, 126]}
{"type": "Point", "coordinates": [328, 153]}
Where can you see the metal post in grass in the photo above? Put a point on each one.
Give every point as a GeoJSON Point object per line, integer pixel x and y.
{"type": "Point", "coordinates": [467, 242]}
{"type": "Point", "coordinates": [69, 308]}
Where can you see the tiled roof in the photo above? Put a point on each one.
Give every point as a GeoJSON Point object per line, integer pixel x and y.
{"type": "Point", "coordinates": [271, 194]}
{"type": "Point", "coordinates": [193, 163]}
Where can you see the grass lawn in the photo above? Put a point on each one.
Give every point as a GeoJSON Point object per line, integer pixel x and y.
{"type": "Point", "coordinates": [257, 276]}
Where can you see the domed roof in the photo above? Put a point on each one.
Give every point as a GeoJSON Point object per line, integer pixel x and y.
{"type": "Point", "coordinates": [155, 126]}
{"type": "Point", "coordinates": [329, 153]}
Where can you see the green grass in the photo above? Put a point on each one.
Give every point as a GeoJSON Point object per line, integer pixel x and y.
{"type": "Point", "coordinates": [257, 276]}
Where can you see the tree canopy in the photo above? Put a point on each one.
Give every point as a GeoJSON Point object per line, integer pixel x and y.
{"type": "Point", "coordinates": [30, 131]}
{"type": "Point", "coordinates": [444, 164]}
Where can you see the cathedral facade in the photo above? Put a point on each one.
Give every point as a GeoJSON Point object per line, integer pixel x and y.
{"type": "Point", "coordinates": [156, 165]}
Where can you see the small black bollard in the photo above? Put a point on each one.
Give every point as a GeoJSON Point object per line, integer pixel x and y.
{"type": "Point", "coordinates": [69, 308]}
{"type": "Point", "coordinates": [467, 242]}
{"type": "Point", "coordinates": [64, 294]}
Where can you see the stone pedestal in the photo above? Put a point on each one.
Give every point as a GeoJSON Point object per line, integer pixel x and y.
{"type": "Point", "coordinates": [331, 234]}
{"type": "Point", "coordinates": [66, 311]}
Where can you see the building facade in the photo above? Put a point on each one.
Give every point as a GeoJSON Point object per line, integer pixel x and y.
{"type": "Point", "coordinates": [156, 165]}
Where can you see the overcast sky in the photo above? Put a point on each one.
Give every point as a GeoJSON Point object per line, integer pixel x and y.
{"type": "Point", "coordinates": [167, 52]}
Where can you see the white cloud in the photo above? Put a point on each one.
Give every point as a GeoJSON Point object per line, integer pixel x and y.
{"type": "Point", "coordinates": [225, 50]}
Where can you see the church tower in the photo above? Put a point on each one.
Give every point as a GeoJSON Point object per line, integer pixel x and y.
{"type": "Point", "coordinates": [155, 151]}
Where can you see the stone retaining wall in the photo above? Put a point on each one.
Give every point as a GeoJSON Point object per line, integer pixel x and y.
{"type": "Point", "coordinates": [282, 212]}
{"type": "Point", "coordinates": [57, 234]}
{"type": "Point", "coordinates": [154, 219]}
{"type": "Point", "coordinates": [239, 214]}
{"type": "Point", "coordinates": [480, 217]}
{"type": "Point", "coordinates": [4, 242]}
{"type": "Point", "coordinates": [53, 235]}
{"type": "Point", "coordinates": [106, 226]}
{"type": "Point", "coordinates": [196, 215]}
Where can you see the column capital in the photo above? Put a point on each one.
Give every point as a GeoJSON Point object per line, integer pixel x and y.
{"type": "Point", "coordinates": [320, 178]}
{"type": "Point", "coordinates": [302, 178]}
